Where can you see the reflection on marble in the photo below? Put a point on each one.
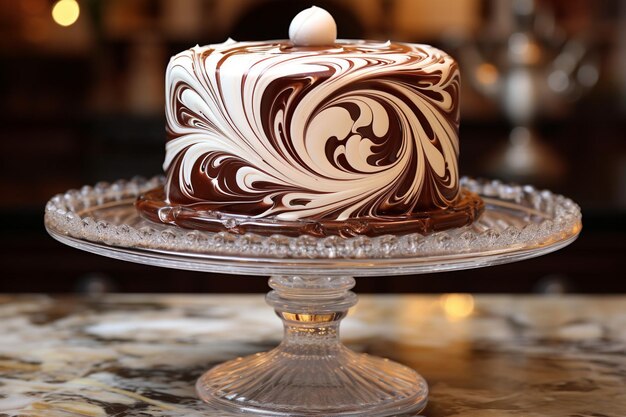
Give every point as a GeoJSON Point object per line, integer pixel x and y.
{"type": "Point", "coordinates": [139, 355]}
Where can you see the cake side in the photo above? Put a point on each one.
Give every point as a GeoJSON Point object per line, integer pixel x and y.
{"type": "Point", "coordinates": [356, 129]}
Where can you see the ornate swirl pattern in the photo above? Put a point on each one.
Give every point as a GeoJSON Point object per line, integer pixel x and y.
{"type": "Point", "coordinates": [360, 129]}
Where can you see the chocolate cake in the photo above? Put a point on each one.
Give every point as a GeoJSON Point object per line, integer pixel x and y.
{"type": "Point", "coordinates": [312, 135]}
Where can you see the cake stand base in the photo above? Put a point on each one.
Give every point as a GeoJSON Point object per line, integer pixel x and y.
{"type": "Point", "coordinates": [311, 372]}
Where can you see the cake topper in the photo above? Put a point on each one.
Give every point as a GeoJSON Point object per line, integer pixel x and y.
{"type": "Point", "coordinates": [313, 27]}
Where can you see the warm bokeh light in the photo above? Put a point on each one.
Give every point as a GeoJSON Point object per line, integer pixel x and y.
{"type": "Point", "coordinates": [487, 74]}
{"type": "Point", "coordinates": [457, 306]}
{"type": "Point", "coordinates": [65, 12]}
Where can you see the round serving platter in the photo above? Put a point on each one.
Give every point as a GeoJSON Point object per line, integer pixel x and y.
{"type": "Point", "coordinates": [519, 222]}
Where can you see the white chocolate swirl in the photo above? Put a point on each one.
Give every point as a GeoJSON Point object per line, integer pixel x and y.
{"type": "Point", "coordinates": [359, 129]}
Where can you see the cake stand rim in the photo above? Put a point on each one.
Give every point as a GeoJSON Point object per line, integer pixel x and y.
{"type": "Point", "coordinates": [264, 267]}
{"type": "Point", "coordinates": [354, 266]}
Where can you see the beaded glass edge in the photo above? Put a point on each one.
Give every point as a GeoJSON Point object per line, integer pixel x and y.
{"type": "Point", "coordinates": [563, 221]}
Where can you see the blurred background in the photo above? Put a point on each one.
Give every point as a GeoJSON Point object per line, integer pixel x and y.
{"type": "Point", "coordinates": [82, 96]}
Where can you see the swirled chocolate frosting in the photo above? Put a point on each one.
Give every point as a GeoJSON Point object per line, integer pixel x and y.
{"type": "Point", "coordinates": [355, 129]}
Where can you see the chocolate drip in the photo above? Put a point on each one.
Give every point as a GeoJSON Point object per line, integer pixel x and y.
{"type": "Point", "coordinates": [201, 216]}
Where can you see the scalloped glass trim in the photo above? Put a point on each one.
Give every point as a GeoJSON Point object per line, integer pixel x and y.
{"type": "Point", "coordinates": [102, 214]}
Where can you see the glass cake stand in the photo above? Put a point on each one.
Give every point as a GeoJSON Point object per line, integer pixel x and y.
{"type": "Point", "coordinates": [311, 372]}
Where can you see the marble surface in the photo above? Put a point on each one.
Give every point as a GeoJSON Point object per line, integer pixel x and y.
{"type": "Point", "coordinates": [139, 355]}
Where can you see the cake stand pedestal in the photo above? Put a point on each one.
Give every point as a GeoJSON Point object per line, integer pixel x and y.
{"type": "Point", "coordinates": [311, 372]}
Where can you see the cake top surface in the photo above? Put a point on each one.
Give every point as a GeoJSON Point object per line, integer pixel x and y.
{"type": "Point", "coordinates": [339, 47]}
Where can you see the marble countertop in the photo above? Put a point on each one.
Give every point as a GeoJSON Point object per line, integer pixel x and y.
{"type": "Point", "coordinates": [139, 355]}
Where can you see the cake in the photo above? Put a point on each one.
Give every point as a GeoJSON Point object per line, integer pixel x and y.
{"type": "Point", "coordinates": [312, 135]}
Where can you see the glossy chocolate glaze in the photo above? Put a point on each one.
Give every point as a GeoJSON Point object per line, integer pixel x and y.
{"type": "Point", "coordinates": [153, 206]}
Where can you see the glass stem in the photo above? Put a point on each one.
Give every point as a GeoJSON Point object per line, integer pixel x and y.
{"type": "Point", "coordinates": [311, 308]}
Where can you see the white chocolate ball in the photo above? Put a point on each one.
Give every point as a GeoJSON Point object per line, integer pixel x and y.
{"type": "Point", "coordinates": [313, 27]}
